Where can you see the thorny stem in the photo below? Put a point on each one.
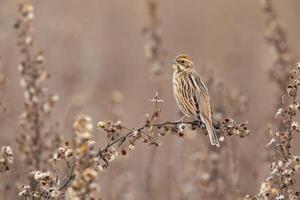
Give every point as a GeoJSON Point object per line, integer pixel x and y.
{"type": "Point", "coordinates": [276, 37]}
{"type": "Point", "coordinates": [284, 164]}
{"type": "Point", "coordinates": [37, 142]}
{"type": "Point", "coordinates": [68, 179]}
{"type": "Point", "coordinates": [35, 109]}
{"type": "Point", "coordinates": [37, 102]}
{"type": "Point", "coordinates": [287, 152]}
{"type": "Point", "coordinates": [140, 130]}
{"type": "Point", "coordinates": [149, 132]}
{"type": "Point", "coordinates": [290, 124]}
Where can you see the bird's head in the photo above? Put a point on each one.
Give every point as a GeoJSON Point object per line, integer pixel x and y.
{"type": "Point", "coordinates": [182, 63]}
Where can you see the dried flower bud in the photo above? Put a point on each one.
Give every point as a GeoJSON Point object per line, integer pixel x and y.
{"type": "Point", "coordinates": [6, 158]}
{"type": "Point", "coordinates": [24, 190]}
{"type": "Point", "coordinates": [291, 90]}
{"type": "Point", "coordinates": [131, 147]}
{"type": "Point", "coordinates": [101, 125]}
{"type": "Point", "coordinates": [297, 167]}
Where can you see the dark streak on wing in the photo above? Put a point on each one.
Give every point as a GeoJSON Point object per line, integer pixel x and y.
{"type": "Point", "coordinates": [192, 81]}
{"type": "Point", "coordinates": [203, 99]}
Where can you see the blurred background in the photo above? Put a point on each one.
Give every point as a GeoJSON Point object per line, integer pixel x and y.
{"type": "Point", "coordinates": [95, 51]}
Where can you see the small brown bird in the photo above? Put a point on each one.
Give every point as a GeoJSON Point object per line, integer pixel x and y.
{"type": "Point", "coordinates": [192, 95]}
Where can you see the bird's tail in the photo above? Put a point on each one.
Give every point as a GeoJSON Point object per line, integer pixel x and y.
{"type": "Point", "coordinates": [212, 135]}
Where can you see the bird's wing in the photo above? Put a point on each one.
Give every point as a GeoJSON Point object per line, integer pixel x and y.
{"type": "Point", "coordinates": [202, 102]}
{"type": "Point", "coordinates": [202, 99]}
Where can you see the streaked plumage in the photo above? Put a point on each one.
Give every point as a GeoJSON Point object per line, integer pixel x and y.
{"type": "Point", "coordinates": [192, 95]}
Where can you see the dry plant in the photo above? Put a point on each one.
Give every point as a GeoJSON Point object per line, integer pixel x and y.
{"type": "Point", "coordinates": [36, 139]}
{"type": "Point", "coordinates": [84, 185]}
{"type": "Point", "coordinates": [225, 170]}
{"type": "Point", "coordinates": [276, 38]}
{"type": "Point", "coordinates": [79, 183]}
{"type": "Point", "coordinates": [123, 139]}
{"type": "Point", "coordinates": [84, 161]}
{"type": "Point", "coordinates": [153, 50]}
{"type": "Point", "coordinates": [280, 185]}
{"type": "Point", "coordinates": [6, 158]}
{"type": "Point", "coordinates": [6, 161]}
{"type": "Point", "coordinates": [6, 152]}
{"type": "Point", "coordinates": [123, 174]}
{"type": "Point", "coordinates": [155, 56]}
{"type": "Point", "coordinates": [46, 187]}
{"type": "Point", "coordinates": [72, 171]}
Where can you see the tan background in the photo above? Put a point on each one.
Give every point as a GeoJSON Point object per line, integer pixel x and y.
{"type": "Point", "coordinates": [94, 47]}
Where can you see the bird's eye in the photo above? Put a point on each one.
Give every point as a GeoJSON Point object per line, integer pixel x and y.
{"type": "Point", "coordinates": [181, 61]}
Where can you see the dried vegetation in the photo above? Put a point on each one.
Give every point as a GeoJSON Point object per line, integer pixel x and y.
{"type": "Point", "coordinates": [58, 168]}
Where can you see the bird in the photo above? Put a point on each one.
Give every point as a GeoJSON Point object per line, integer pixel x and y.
{"type": "Point", "coordinates": [191, 94]}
